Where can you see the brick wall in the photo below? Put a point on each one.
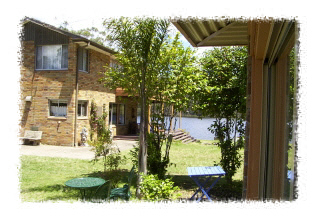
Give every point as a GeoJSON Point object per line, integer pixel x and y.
{"type": "Point", "coordinates": [45, 85]}
{"type": "Point", "coordinates": [90, 89]}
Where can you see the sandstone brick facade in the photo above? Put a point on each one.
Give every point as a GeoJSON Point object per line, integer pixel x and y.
{"type": "Point", "coordinates": [46, 85]}
{"type": "Point", "coordinates": [130, 126]}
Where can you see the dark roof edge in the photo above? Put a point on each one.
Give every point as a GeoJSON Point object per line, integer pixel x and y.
{"type": "Point", "coordinates": [74, 37]}
{"type": "Point", "coordinates": [95, 44]}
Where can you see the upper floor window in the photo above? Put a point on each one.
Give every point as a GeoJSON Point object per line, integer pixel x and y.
{"type": "Point", "coordinates": [52, 57]}
{"type": "Point", "coordinates": [115, 65]}
{"type": "Point", "coordinates": [83, 59]}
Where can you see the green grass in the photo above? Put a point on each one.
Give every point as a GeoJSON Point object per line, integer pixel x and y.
{"type": "Point", "coordinates": [195, 154]}
{"type": "Point", "coordinates": [43, 178]}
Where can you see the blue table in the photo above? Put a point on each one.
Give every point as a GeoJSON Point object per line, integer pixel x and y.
{"type": "Point", "coordinates": [290, 175]}
{"type": "Point", "coordinates": [196, 172]}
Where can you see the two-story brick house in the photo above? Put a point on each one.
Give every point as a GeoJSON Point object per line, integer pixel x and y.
{"type": "Point", "coordinates": [59, 80]}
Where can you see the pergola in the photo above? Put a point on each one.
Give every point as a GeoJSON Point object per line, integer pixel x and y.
{"type": "Point", "coordinates": [269, 44]}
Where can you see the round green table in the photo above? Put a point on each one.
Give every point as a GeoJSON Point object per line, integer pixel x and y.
{"type": "Point", "coordinates": [84, 184]}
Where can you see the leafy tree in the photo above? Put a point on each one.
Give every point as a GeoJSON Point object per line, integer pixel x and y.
{"type": "Point", "coordinates": [139, 41]}
{"type": "Point", "coordinates": [91, 33]}
{"type": "Point", "coordinates": [103, 141]}
{"type": "Point", "coordinates": [161, 72]}
{"type": "Point", "coordinates": [224, 99]}
{"type": "Point", "coordinates": [173, 89]}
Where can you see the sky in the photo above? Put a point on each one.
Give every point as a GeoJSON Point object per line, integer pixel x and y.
{"type": "Point", "coordinates": [83, 13]}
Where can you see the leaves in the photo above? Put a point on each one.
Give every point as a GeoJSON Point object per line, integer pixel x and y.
{"type": "Point", "coordinates": [224, 98]}
{"type": "Point", "coordinates": [155, 189]}
{"type": "Point", "coordinates": [156, 68]}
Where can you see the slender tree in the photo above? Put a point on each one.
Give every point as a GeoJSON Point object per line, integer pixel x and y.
{"type": "Point", "coordinates": [225, 100]}
{"type": "Point", "coordinates": [173, 90]}
{"type": "Point", "coordinates": [138, 41]}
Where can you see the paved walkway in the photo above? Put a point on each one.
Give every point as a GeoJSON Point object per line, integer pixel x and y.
{"type": "Point", "coordinates": [70, 152]}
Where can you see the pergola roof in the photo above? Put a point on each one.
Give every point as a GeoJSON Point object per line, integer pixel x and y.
{"type": "Point", "coordinates": [209, 32]}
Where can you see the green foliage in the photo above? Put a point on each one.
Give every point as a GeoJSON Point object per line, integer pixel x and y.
{"type": "Point", "coordinates": [91, 33]}
{"type": "Point", "coordinates": [93, 119]}
{"type": "Point", "coordinates": [102, 146]}
{"type": "Point", "coordinates": [157, 159]}
{"type": "Point", "coordinates": [138, 41]}
{"type": "Point", "coordinates": [154, 189]}
{"type": "Point", "coordinates": [224, 98]}
{"type": "Point", "coordinates": [230, 159]}
{"type": "Point", "coordinates": [178, 76]}
{"type": "Point", "coordinates": [157, 163]}
{"type": "Point", "coordinates": [156, 68]}
{"type": "Point", "coordinates": [134, 156]}
{"type": "Point", "coordinates": [226, 77]}
{"type": "Point", "coordinates": [292, 87]}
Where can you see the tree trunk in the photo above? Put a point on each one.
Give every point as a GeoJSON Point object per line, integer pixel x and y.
{"type": "Point", "coordinates": [142, 163]}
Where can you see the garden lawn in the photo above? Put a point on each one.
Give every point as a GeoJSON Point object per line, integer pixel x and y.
{"type": "Point", "coordinates": [43, 178]}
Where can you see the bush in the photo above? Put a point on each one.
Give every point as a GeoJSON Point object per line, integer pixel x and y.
{"type": "Point", "coordinates": [155, 189]}
{"type": "Point", "coordinates": [157, 161]}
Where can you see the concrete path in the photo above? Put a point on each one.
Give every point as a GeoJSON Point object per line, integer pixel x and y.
{"type": "Point", "coordinates": [70, 152]}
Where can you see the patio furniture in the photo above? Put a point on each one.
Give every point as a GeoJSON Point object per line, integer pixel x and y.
{"type": "Point", "coordinates": [84, 184]}
{"type": "Point", "coordinates": [102, 193]}
{"type": "Point", "coordinates": [124, 192]}
{"type": "Point", "coordinates": [198, 172]}
{"type": "Point", "coordinates": [290, 175]}
{"type": "Point", "coordinates": [34, 136]}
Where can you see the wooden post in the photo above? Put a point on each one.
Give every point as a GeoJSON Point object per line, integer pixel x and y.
{"type": "Point", "coordinates": [280, 142]}
{"type": "Point", "coordinates": [76, 100]}
{"type": "Point", "coordinates": [171, 122]}
{"type": "Point", "coordinates": [180, 121]}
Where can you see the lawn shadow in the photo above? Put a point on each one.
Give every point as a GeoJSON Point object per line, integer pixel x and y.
{"type": "Point", "coordinates": [221, 191]}
{"type": "Point", "coordinates": [115, 176]}
{"type": "Point", "coordinates": [56, 192]}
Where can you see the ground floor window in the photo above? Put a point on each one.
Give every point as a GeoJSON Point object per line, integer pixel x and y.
{"type": "Point", "coordinates": [116, 113]}
{"type": "Point", "coordinates": [121, 114]}
{"type": "Point", "coordinates": [82, 108]}
{"type": "Point", "coordinates": [58, 108]}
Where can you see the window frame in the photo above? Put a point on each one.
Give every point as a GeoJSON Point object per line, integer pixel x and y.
{"type": "Point", "coordinates": [64, 47]}
{"type": "Point", "coordinates": [115, 107]}
{"type": "Point", "coordinates": [80, 105]}
{"type": "Point", "coordinates": [81, 51]}
{"type": "Point", "coordinates": [57, 101]}
{"type": "Point", "coordinates": [111, 110]}
{"type": "Point", "coordinates": [119, 114]}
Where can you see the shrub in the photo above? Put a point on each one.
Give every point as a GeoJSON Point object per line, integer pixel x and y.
{"type": "Point", "coordinates": [157, 161]}
{"type": "Point", "coordinates": [155, 189]}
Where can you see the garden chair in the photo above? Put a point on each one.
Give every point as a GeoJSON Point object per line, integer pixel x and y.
{"type": "Point", "coordinates": [102, 193]}
{"type": "Point", "coordinates": [124, 192]}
